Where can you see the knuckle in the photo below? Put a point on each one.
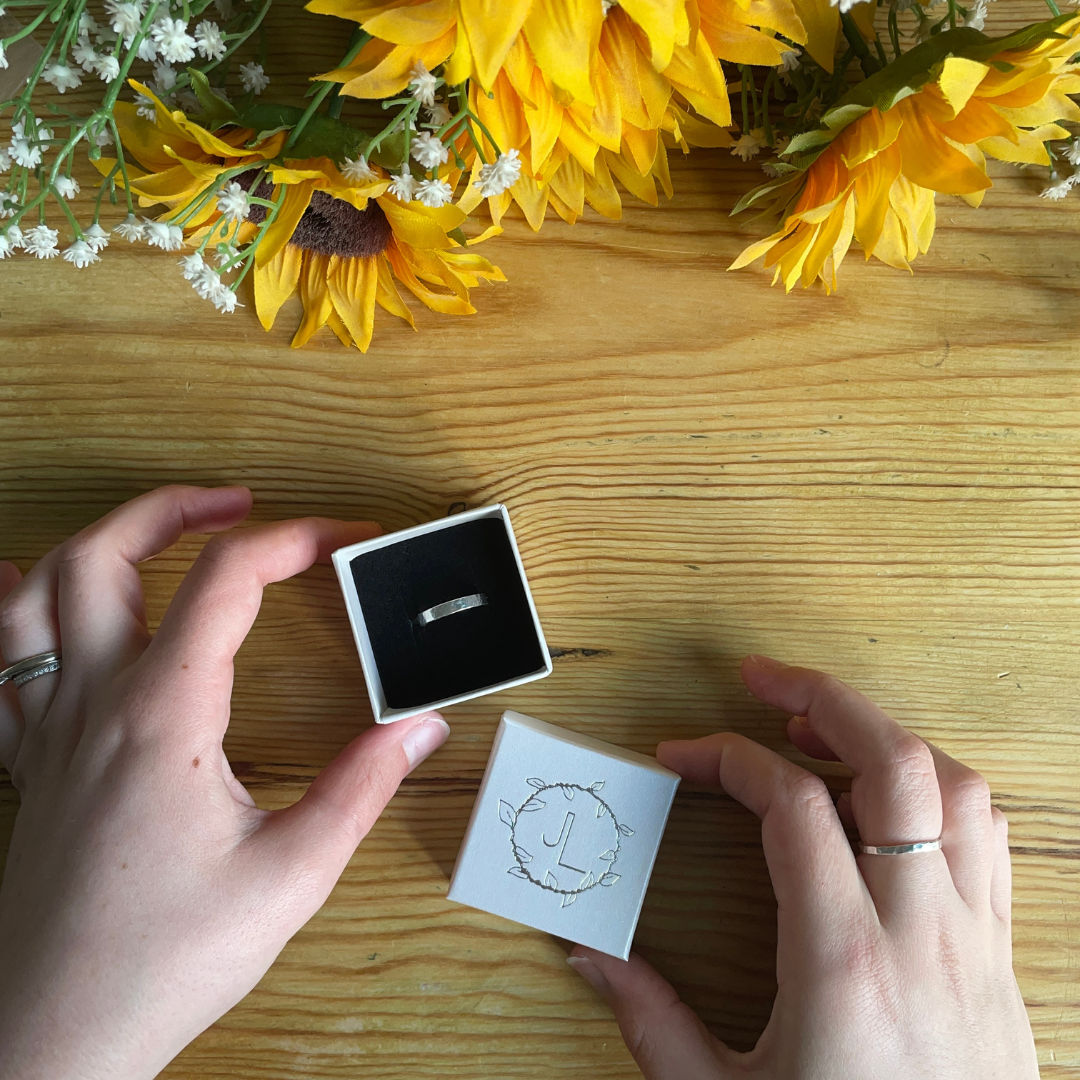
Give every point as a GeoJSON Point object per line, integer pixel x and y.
{"type": "Point", "coordinates": [807, 791]}
{"type": "Point", "coordinates": [912, 759]}
{"type": "Point", "coordinates": [971, 791]}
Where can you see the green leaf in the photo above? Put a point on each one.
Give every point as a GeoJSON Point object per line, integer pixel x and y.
{"type": "Point", "coordinates": [323, 136]}
{"type": "Point", "coordinates": [459, 236]}
{"type": "Point", "coordinates": [759, 193]}
{"type": "Point", "coordinates": [809, 140]}
{"type": "Point", "coordinates": [216, 113]}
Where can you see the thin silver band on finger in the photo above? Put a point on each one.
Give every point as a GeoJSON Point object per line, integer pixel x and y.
{"type": "Point", "coordinates": [451, 607]}
{"type": "Point", "coordinates": [43, 664]}
{"type": "Point", "coordinates": [901, 849]}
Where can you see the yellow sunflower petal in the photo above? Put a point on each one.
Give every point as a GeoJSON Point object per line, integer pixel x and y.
{"type": "Point", "coordinates": [413, 227]}
{"type": "Point", "coordinates": [297, 200]}
{"type": "Point", "coordinates": [276, 282]}
{"type": "Point", "coordinates": [352, 285]}
{"type": "Point", "coordinates": [445, 303]}
{"type": "Point", "coordinates": [413, 25]}
{"type": "Point", "coordinates": [929, 159]}
{"type": "Point", "coordinates": [600, 191]}
{"type": "Point", "coordinates": [386, 294]}
{"type": "Point", "coordinates": [491, 26]}
{"type": "Point", "coordinates": [316, 297]}
{"type": "Point", "coordinates": [822, 22]}
{"type": "Point", "coordinates": [658, 19]}
{"type": "Point", "coordinates": [563, 35]}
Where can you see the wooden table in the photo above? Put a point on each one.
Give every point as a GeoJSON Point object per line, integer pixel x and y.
{"type": "Point", "coordinates": [884, 484]}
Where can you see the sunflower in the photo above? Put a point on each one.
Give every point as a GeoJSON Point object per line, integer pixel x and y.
{"type": "Point", "coordinates": [589, 92]}
{"type": "Point", "coordinates": [339, 242]}
{"type": "Point", "coordinates": [876, 178]}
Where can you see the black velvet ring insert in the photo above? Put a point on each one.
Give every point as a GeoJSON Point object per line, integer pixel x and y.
{"type": "Point", "coordinates": [463, 652]}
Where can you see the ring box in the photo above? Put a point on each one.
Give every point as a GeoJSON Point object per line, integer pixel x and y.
{"type": "Point", "coordinates": [564, 834]}
{"type": "Point", "coordinates": [390, 581]}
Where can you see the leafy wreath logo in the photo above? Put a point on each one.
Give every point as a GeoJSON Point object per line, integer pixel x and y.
{"type": "Point", "coordinates": [565, 838]}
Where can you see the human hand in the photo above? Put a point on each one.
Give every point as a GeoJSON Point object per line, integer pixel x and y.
{"type": "Point", "coordinates": [144, 893]}
{"type": "Point", "coordinates": [888, 967]}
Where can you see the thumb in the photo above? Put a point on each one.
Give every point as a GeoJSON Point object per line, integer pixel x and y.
{"type": "Point", "coordinates": [666, 1037]}
{"type": "Point", "coordinates": [336, 812]}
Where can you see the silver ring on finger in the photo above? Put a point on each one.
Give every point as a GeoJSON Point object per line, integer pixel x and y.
{"type": "Point", "coordinates": [31, 668]}
{"type": "Point", "coordinates": [901, 849]}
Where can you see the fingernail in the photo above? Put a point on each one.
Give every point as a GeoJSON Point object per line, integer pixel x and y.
{"type": "Point", "coordinates": [766, 662]}
{"type": "Point", "coordinates": [425, 738]}
{"type": "Point", "coordinates": [591, 974]}
{"type": "Point", "coordinates": [801, 721]}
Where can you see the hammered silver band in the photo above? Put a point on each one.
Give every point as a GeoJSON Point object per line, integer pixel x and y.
{"type": "Point", "coordinates": [901, 849]}
{"type": "Point", "coordinates": [451, 607]}
{"type": "Point", "coordinates": [43, 664]}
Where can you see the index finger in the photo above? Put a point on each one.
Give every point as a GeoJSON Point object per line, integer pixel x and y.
{"type": "Point", "coordinates": [812, 868]}
{"type": "Point", "coordinates": [216, 603]}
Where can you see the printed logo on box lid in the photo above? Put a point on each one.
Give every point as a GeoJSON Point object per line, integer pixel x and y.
{"type": "Point", "coordinates": [565, 838]}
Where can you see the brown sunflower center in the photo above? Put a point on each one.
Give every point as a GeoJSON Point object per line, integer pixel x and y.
{"type": "Point", "coordinates": [332, 226]}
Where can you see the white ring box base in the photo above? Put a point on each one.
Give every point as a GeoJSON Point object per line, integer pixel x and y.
{"type": "Point", "coordinates": [564, 834]}
{"type": "Point", "coordinates": [390, 580]}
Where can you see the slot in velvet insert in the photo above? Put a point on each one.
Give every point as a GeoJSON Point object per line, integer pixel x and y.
{"type": "Point", "coordinates": [481, 647]}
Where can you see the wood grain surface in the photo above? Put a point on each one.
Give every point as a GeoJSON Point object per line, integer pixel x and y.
{"type": "Point", "coordinates": [885, 483]}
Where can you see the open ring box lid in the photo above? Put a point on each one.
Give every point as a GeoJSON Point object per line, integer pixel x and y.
{"type": "Point", "coordinates": [390, 580]}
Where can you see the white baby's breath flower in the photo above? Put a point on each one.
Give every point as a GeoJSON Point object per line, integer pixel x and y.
{"type": "Point", "coordinates": [11, 239]}
{"type": "Point", "coordinates": [789, 60]}
{"type": "Point", "coordinates": [107, 68]}
{"type": "Point", "coordinates": [96, 237]}
{"type": "Point", "coordinates": [5, 160]}
{"type": "Point", "coordinates": [88, 24]}
{"type": "Point", "coordinates": [225, 8]}
{"type": "Point", "coordinates": [130, 229]}
{"type": "Point", "coordinates": [844, 5]}
{"type": "Point", "coordinates": [124, 18]}
{"type": "Point", "coordinates": [146, 108]}
{"type": "Point", "coordinates": [225, 254]}
{"type": "Point", "coordinates": [434, 193]}
{"type": "Point", "coordinates": [41, 241]}
{"type": "Point", "coordinates": [22, 153]}
{"type": "Point", "coordinates": [103, 137]}
{"type": "Point", "coordinates": [224, 299]}
{"type": "Point", "coordinates": [770, 170]}
{"type": "Point", "coordinates": [438, 115]}
{"type": "Point", "coordinates": [233, 202]}
{"type": "Point", "coordinates": [3, 57]}
{"type": "Point", "coordinates": [164, 76]}
{"type": "Point", "coordinates": [1072, 155]}
{"type": "Point", "coordinates": [81, 254]}
{"type": "Point", "coordinates": [62, 77]}
{"type": "Point", "coordinates": [748, 145]}
{"type": "Point", "coordinates": [401, 186]}
{"type": "Point", "coordinates": [84, 54]}
{"type": "Point", "coordinates": [162, 235]}
{"type": "Point", "coordinates": [208, 40]}
{"type": "Point", "coordinates": [422, 84]}
{"type": "Point", "coordinates": [9, 203]}
{"type": "Point", "coordinates": [191, 265]}
{"type": "Point", "coordinates": [358, 171]}
{"type": "Point", "coordinates": [174, 43]}
{"type": "Point", "coordinates": [67, 187]}
{"type": "Point", "coordinates": [205, 281]}
{"type": "Point", "coordinates": [147, 50]}
{"type": "Point", "coordinates": [253, 79]}
{"type": "Point", "coordinates": [187, 101]}
{"type": "Point", "coordinates": [500, 175]}
{"type": "Point", "coordinates": [1059, 189]}
{"type": "Point", "coordinates": [428, 151]}
{"type": "Point", "coordinates": [976, 16]}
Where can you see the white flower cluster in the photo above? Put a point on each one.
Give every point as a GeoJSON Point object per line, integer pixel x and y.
{"type": "Point", "coordinates": [1060, 186]}
{"type": "Point", "coordinates": [206, 281]}
{"type": "Point", "coordinates": [500, 175]}
{"type": "Point", "coordinates": [26, 147]}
